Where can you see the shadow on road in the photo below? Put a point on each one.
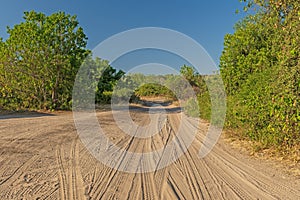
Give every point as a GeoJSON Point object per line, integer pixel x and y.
{"type": "Point", "coordinates": [155, 106]}
{"type": "Point", "coordinates": [25, 114]}
{"type": "Point", "coordinates": [155, 109]}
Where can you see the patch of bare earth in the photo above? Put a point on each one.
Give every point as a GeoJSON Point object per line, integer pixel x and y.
{"type": "Point", "coordinates": [42, 157]}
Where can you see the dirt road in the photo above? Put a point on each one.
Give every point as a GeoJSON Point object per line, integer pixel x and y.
{"type": "Point", "coordinates": [42, 157]}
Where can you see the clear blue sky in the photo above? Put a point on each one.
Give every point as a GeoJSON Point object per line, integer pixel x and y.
{"type": "Point", "coordinates": [205, 21]}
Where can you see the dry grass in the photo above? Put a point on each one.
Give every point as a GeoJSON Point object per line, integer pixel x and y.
{"type": "Point", "coordinates": [287, 158]}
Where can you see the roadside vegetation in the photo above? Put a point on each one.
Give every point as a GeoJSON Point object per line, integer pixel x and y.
{"type": "Point", "coordinates": [261, 72]}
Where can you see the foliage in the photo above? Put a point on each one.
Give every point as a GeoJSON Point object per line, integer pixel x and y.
{"type": "Point", "coordinates": [39, 61]}
{"type": "Point", "coordinates": [154, 90]}
{"type": "Point", "coordinates": [125, 88]}
{"type": "Point", "coordinates": [191, 107]}
{"type": "Point", "coordinates": [194, 78]}
{"type": "Point", "coordinates": [172, 87]}
{"type": "Point", "coordinates": [106, 83]}
{"type": "Point", "coordinates": [97, 77]}
{"type": "Point", "coordinates": [199, 84]}
{"type": "Point", "coordinates": [261, 71]}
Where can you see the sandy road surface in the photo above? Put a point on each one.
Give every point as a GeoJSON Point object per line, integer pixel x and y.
{"type": "Point", "coordinates": [42, 157]}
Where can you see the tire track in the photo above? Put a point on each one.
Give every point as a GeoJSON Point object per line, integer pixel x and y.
{"type": "Point", "coordinates": [111, 180]}
{"type": "Point", "coordinates": [71, 172]}
{"type": "Point", "coordinates": [70, 179]}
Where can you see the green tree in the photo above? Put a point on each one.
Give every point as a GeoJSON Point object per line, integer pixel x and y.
{"type": "Point", "coordinates": [189, 74]}
{"type": "Point", "coordinates": [98, 77]}
{"type": "Point", "coordinates": [41, 58]}
{"type": "Point", "coordinates": [107, 82]}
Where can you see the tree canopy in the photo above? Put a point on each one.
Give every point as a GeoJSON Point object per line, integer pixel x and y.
{"type": "Point", "coordinates": [40, 59]}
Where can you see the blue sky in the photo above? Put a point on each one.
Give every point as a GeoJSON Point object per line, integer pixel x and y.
{"type": "Point", "coordinates": [203, 20]}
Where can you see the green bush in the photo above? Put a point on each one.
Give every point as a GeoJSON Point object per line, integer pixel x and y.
{"type": "Point", "coordinates": [204, 103]}
{"type": "Point", "coordinates": [154, 90]}
{"type": "Point", "coordinates": [191, 107]}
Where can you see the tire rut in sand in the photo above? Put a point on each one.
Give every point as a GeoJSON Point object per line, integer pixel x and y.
{"type": "Point", "coordinates": [70, 178]}
{"type": "Point", "coordinates": [52, 163]}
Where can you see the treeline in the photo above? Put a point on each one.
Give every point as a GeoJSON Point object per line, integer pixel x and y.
{"type": "Point", "coordinates": [170, 86]}
{"type": "Point", "coordinates": [261, 71]}
{"type": "Point", "coordinates": [189, 88]}
{"type": "Point", "coordinates": [40, 59]}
